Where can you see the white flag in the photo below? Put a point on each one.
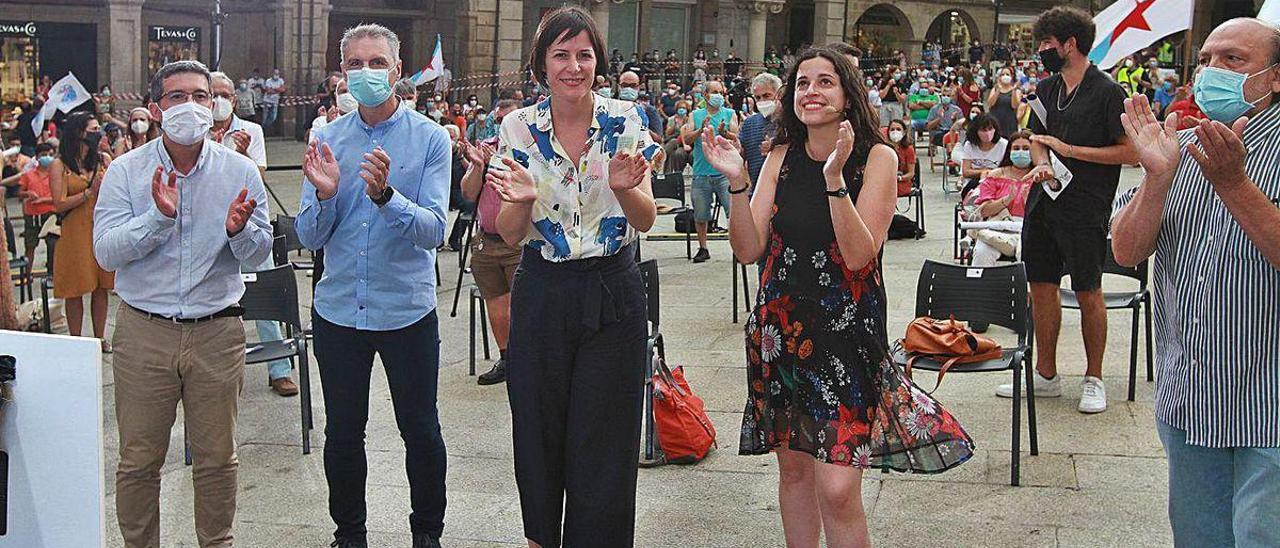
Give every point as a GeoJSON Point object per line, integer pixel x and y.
{"type": "Point", "coordinates": [68, 93]}
{"type": "Point", "coordinates": [1270, 12]}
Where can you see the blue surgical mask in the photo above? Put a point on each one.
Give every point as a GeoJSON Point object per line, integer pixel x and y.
{"type": "Point", "coordinates": [46, 161]}
{"type": "Point", "coordinates": [1020, 158]}
{"type": "Point", "coordinates": [628, 94]}
{"type": "Point", "coordinates": [946, 99]}
{"type": "Point", "coordinates": [1220, 93]}
{"type": "Point", "coordinates": [682, 111]}
{"type": "Point", "coordinates": [716, 100]}
{"type": "Point", "coordinates": [607, 93]}
{"type": "Point", "coordinates": [370, 87]}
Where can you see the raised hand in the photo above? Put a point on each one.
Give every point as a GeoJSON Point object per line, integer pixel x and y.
{"type": "Point", "coordinates": [1221, 153]}
{"type": "Point", "coordinates": [321, 168]}
{"type": "Point", "coordinates": [513, 184]}
{"type": "Point", "coordinates": [477, 156]}
{"type": "Point", "coordinates": [375, 170]}
{"type": "Point", "coordinates": [239, 212]}
{"type": "Point", "coordinates": [165, 195]}
{"type": "Point", "coordinates": [1156, 142]}
{"type": "Point", "coordinates": [241, 139]}
{"type": "Point", "coordinates": [833, 169]}
{"type": "Point", "coordinates": [766, 145]}
{"type": "Point", "coordinates": [722, 154]}
{"type": "Point", "coordinates": [627, 171]}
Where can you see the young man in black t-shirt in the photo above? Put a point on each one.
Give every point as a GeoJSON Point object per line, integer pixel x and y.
{"type": "Point", "coordinates": [1067, 235]}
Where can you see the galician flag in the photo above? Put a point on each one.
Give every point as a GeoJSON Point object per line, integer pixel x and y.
{"type": "Point", "coordinates": [1130, 25]}
{"type": "Point", "coordinates": [1270, 12]}
{"type": "Point", "coordinates": [433, 68]}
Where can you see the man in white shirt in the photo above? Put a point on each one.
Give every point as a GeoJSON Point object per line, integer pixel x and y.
{"type": "Point", "coordinates": [245, 138]}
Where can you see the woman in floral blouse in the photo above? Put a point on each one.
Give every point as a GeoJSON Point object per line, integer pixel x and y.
{"type": "Point", "coordinates": [573, 175]}
{"type": "Point", "coordinates": [823, 394]}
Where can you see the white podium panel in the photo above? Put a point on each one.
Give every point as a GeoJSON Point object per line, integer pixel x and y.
{"type": "Point", "coordinates": [52, 431]}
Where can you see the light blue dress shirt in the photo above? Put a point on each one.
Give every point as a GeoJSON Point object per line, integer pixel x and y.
{"type": "Point", "coordinates": [187, 266]}
{"type": "Point", "coordinates": [379, 262]}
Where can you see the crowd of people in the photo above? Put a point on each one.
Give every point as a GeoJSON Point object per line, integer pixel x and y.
{"type": "Point", "coordinates": [810, 155]}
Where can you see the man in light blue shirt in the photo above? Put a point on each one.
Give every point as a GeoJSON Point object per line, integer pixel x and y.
{"type": "Point", "coordinates": [374, 197]}
{"type": "Point", "coordinates": [177, 218]}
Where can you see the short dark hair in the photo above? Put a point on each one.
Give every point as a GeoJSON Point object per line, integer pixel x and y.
{"type": "Point", "coordinates": [985, 121]}
{"type": "Point", "coordinates": [1063, 23]}
{"type": "Point", "coordinates": [43, 147]}
{"type": "Point", "coordinates": [845, 48]}
{"type": "Point", "coordinates": [568, 21]}
{"type": "Point", "coordinates": [177, 67]}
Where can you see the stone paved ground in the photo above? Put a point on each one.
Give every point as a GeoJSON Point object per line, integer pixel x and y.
{"type": "Point", "coordinates": [1098, 481]}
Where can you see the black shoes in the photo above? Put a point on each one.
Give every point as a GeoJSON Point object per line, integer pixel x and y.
{"type": "Point", "coordinates": [352, 543]}
{"type": "Point", "coordinates": [422, 540]}
{"type": "Point", "coordinates": [702, 255]}
{"type": "Point", "coordinates": [494, 376]}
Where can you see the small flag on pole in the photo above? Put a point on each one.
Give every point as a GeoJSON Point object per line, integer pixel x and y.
{"type": "Point", "coordinates": [433, 69]}
{"type": "Point", "coordinates": [65, 95]}
{"type": "Point", "coordinates": [1130, 25]}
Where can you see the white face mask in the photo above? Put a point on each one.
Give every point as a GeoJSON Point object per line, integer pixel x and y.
{"type": "Point", "coordinates": [187, 123]}
{"type": "Point", "coordinates": [347, 103]}
{"type": "Point", "coordinates": [766, 108]}
{"type": "Point", "coordinates": [1006, 79]}
{"type": "Point", "coordinates": [221, 108]}
{"type": "Point", "coordinates": [895, 135]}
{"type": "Point", "coordinates": [140, 126]}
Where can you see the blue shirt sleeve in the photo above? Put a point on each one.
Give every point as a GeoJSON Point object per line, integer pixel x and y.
{"type": "Point", "coordinates": [421, 218]}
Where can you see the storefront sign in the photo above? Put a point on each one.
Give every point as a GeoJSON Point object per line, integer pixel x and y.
{"type": "Point", "coordinates": [157, 33]}
{"type": "Point", "coordinates": [18, 28]}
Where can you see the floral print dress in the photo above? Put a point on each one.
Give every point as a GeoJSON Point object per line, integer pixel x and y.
{"type": "Point", "coordinates": [820, 379]}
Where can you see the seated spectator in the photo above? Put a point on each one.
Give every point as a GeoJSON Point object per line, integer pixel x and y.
{"type": "Point", "coordinates": [1002, 196]}
{"type": "Point", "coordinates": [678, 153]}
{"type": "Point", "coordinates": [920, 102]}
{"type": "Point", "coordinates": [902, 143]}
{"type": "Point", "coordinates": [1164, 95]}
{"type": "Point", "coordinates": [941, 118]}
{"type": "Point", "coordinates": [981, 152]}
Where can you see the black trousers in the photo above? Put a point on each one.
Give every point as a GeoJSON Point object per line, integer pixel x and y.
{"type": "Point", "coordinates": [411, 358]}
{"type": "Point", "coordinates": [575, 375]}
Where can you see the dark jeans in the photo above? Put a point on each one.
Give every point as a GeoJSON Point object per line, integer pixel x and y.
{"type": "Point", "coordinates": [411, 358]}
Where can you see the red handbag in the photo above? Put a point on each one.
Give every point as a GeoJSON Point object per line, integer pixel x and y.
{"type": "Point", "coordinates": [685, 433]}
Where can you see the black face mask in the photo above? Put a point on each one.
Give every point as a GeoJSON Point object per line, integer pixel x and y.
{"type": "Point", "coordinates": [92, 138]}
{"type": "Point", "coordinates": [1052, 60]}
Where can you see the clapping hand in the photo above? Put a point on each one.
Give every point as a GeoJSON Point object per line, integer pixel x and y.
{"type": "Point", "coordinates": [239, 212]}
{"type": "Point", "coordinates": [165, 195]}
{"type": "Point", "coordinates": [1156, 142]}
{"type": "Point", "coordinates": [1221, 153]}
{"type": "Point", "coordinates": [477, 157]}
{"type": "Point", "coordinates": [241, 139]}
{"type": "Point", "coordinates": [513, 184]}
{"type": "Point", "coordinates": [833, 169]}
{"type": "Point", "coordinates": [722, 154]}
{"type": "Point", "coordinates": [321, 169]}
{"type": "Point", "coordinates": [627, 171]}
{"type": "Point", "coordinates": [375, 170]}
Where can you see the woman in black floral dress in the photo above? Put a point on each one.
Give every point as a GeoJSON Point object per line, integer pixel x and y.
{"type": "Point", "coordinates": [823, 394]}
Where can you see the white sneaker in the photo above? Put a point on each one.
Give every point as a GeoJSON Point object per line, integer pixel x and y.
{"type": "Point", "coordinates": [1045, 388]}
{"type": "Point", "coordinates": [1093, 398]}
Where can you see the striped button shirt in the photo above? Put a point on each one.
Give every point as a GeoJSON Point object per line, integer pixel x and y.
{"type": "Point", "coordinates": [1217, 305]}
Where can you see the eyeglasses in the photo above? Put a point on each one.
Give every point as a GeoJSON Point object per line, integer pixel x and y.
{"type": "Point", "coordinates": [179, 96]}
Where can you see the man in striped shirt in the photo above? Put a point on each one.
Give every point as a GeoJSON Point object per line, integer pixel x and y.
{"type": "Point", "coordinates": [1207, 211]}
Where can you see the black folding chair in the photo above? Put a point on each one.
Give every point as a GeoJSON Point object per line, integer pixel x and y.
{"type": "Point", "coordinates": [477, 303]}
{"type": "Point", "coordinates": [1137, 301]}
{"type": "Point", "coordinates": [917, 196]}
{"type": "Point", "coordinates": [470, 220]}
{"type": "Point", "coordinates": [272, 295]}
{"type": "Point", "coordinates": [995, 295]}
{"type": "Point", "coordinates": [284, 225]}
{"type": "Point", "coordinates": [669, 186]}
{"type": "Point", "coordinates": [655, 350]}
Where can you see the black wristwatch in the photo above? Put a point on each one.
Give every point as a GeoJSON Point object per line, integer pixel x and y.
{"type": "Point", "coordinates": [387, 193]}
{"type": "Point", "coordinates": [840, 193]}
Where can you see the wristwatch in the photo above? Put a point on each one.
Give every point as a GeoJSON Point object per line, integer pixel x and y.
{"type": "Point", "coordinates": [839, 193]}
{"type": "Point", "coordinates": [387, 193]}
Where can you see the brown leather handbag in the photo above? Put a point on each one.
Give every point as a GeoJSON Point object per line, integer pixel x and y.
{"type": "Point", "coordinates": [946, 341]}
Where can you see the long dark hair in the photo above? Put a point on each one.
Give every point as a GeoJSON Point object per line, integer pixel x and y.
{"type": "Point", "coordinates": [1023, 134]}
{"type": "Point", "coordinates": [866, 126]}
{"type": "Point", "coordinates": [70, 137]}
